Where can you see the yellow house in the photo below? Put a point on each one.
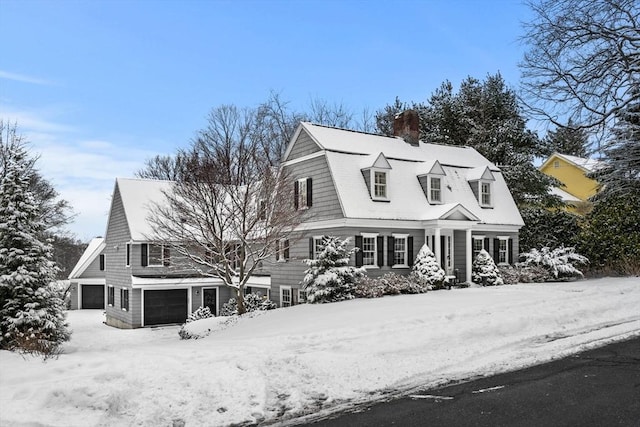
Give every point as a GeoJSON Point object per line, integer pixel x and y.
{"type": "Point", "coordinates": [572, 172]}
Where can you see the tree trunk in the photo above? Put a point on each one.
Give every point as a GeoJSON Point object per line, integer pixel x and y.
{"type": "Point", "coordinates": [240, 300]}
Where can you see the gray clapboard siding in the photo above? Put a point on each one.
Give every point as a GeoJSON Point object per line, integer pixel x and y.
{"type": "Point", "coordinates": [93, 270]}
{"type": "Point", "coordinates": [326, 204]}
{"type": "Point", "coordinates": [303, 146]}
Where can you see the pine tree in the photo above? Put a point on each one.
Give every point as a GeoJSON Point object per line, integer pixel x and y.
{"type": "Point", "coordinates": [427, 270]}
{"type": "Point", "coordinates": [484, 270]}
{"type": "Point", "coordinates": [329, 277]}
{"type": "Point", "coordinates": [32, 317]}
{"type": "Point", "coordinates": [567, 140]}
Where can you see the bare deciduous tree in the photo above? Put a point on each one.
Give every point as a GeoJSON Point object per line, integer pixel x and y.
{"type": "Point", "coordinates": [231, 209]}
{"type": "Point", "coordinates": [583, 61]}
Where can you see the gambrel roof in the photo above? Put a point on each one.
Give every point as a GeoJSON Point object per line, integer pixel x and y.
{"type": "Point", "coordinates": [349, 152]}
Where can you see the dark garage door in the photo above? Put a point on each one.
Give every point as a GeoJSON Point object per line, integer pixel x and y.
{"type": "Point", "coordinates": [161, 307]}
{"type": "Point", "coordinates": [92, 296]}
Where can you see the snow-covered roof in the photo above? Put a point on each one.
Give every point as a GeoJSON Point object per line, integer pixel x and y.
{"type": "Point", "coordinates": [139, 196]}
{"type": "Point", "coordinates": [94, 249]}
{"type": "Point", "coordinates": [590, 165]}
{"type": "Point", "coordinates": [348, 152]}
{"type": "Point", "coordinates": [347, 141]}
{"type": "Point", "coordinates": [565, 196]}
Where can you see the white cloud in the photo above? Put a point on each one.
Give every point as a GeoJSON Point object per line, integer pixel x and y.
{"type": "Point", "coordinates": [23, 78]}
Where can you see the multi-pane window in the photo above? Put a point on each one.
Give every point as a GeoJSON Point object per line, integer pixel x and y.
{"type": "Point", "coordinates": [128, 255]}
{"type": "Point", "coordinates": [110, 296]}
{"type": "Point", "coordinates": [399, 250]}
{"type": "Point", "coordinates": [478, 245]}
{"type": "Point", "coordinates": [368, 250]}
{"type": "Point", "coordinates": [502, 251]}
{"type": "Point", "coordinates": [317, 246]}
{"type": "Point", "coordinates": [380, 184]}
{"type": "Point", "coordinates": [302, 296]}
{"type": "Point", "coordinates": [302, 194]}
{"type": "Point", "coordinates": [285, 296]}
{"type": "Point", "coordinates": [124, 299]}
{"type": "Point", "coordinates": [282, 250]}
{"type": "Point", "coordinates": [435, 189]}
{"type": "Point", "coordinates": [485, 194]}
{"type": "Point", "coordinates": [158, 256]}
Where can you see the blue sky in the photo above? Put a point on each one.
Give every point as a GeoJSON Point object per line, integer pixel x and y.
{"type": "Point", "coordinates": [100, 86]}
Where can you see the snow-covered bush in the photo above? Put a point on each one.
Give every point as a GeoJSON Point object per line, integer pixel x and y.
{"type": "Point", "coordinates": [200, 313]}
{"type": "Point", "coordinates": [202, 327]}
{"type": "Point", "coordinates": [484, 270]}
{"type": "Point", "coordinates": [559, 262]}
{"type": "Point", "coordinates": [329, 277]}
{"type": "Point", "coordinates": [252, 302]}
{"type": "Point", "coordinates": [369, 287]}
{"type": "Point", "coordinates": [388, 284]}
{"type": "Point", "coordinates": [427, 271]}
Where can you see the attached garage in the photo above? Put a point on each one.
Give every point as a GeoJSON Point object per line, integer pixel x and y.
{"type": "Point", "coordinates": [92, 296]}
{"type": "Point", "coordinates": [165, 306]}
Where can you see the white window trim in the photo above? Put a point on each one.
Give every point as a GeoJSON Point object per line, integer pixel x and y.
{"type": "Point", "coordinates": [480, 194]}
{"type": "Point", "coordinates": [127, 250]}
{"type": "Point", "coordinates": [481, 239]}
{"type": "Point", "coordinates": [280, 254]}
{"type": "Point", "coordinates": [302, 194]}
{"type": "Point", "coordinates": [374, 236]}
{"type": "Point", "coordinates": [406, 250]}
{"type": "Point", "coordinates": [504, 239]}
{"type": "Point", "coordinates": [162, 247]}
{"type": "Point", "coordinates": [429, 189]}
{"type": "Point", "coordinates": [290, 296]}
{"type": "Point", "coordinates": [122, 290]}
{"type": "Point", "coordinates": [372, 190]}
{"type": "Point", "coordinates": [316, 239]}
{"type": "Point", "coordinates": [109, 288]}
{"type": "Point", "coordinates": [300, 300]}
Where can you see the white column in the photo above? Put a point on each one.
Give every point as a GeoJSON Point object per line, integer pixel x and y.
{"type": "Point", "coordinates": [436, 246]}
{"type": "Point", "coordinates": [469, 256]}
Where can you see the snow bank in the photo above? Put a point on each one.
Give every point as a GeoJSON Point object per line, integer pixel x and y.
{"type": "Point", "coordinates": [309, 359]}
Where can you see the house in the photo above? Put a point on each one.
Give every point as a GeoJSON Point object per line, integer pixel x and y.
{"type": "Point", "coordinates": [390, 195]}
{"type": "Point", "coordinates": [87, 279]}
{"type": "Point", "coordinates": [143, 287]}
{"type": "Point", "coordinates": [572, 172]}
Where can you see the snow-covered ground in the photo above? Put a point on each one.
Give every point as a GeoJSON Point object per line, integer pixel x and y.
{"type": "Point", "coordinates": [310, 358]}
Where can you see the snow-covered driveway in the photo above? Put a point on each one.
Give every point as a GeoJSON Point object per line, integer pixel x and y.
{"type": "Point", "coordinates": [310, 358]}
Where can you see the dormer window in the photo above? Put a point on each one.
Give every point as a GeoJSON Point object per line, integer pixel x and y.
{"type": "Point", "coordinates": [435, 189]}
{"type": "Point", "coordinates": [380, 185]}
{"type": "Point", "coordinates": [485, 193]}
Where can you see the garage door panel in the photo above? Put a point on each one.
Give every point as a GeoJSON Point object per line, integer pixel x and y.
{"type": "Point", "coordinates": [92, 296]}
{"type": "Point", "coordinates": [165, 306]}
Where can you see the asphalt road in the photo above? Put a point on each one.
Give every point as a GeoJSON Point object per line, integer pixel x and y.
{"type": "Point", "coordinates": [599, 387]}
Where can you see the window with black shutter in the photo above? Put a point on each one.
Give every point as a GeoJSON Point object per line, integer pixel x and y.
{"type": "Point", "coordinates": [144, 254]}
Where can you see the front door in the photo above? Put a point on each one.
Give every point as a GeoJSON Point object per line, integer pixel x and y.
{"type": "Point", "coordinates": [210, 299]}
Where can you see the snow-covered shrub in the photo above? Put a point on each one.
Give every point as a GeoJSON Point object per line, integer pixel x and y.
{"type": "Point", "coordinates": [329, 278]}
{"type": "Point", "coordinates": [532, 274]}
{"type": "Point", "coordinates": [202, 327]}
{"type": "Point", "coordinates": [510, 274]}
{"type": "Point", "coordinates": [388, 284]}
{"type": "Point", "coordinates": [559, 262]}
{"type": "Point", "coordinates": [252, 302]}
{"type": "Point", "coordinates": [484, 270]}
{"type": "Point", "coordinates": [200, 313]}
{"type": "Point", "coordinates": [427, 271]}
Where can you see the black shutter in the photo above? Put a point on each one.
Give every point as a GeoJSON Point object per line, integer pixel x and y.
{"type": "Point", "coordinates": [101, 262]}
{"type": "Point", "coordinates": [496, 250]}
{"type": "Point", "coordinates": [486, 244]}
{"type": "Point", "coordinates": [410, 251]}
{"type": "Point", "coordinates": [510, 248]}
{"type": "Point", "coordinates": [311, 248]}
{"type": "Point", "coordinates": [144, 250]}
{"type": "Point", "coordinates": [285, 250]}
{"type": "Point", "coordinates": [390, 250]}
{"type": "Point", "coordinates": [380, 249]}
{"type": "Point", "coordinates": [359, 252]}
{"type": "Point", "coordinates": [295, 195]}
{"type": "Point", "coordinates": [309, 192]}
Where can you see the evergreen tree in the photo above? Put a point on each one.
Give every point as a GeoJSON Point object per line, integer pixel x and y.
{"type": "Point", "coordinates": [620, 174]}
{"type": "Point", "coordinates": [329, 277]}
{"type": "Point", "coordinates": [485, 271]}
{"type": "Point", "coordinates": [427, 270]}
{"type": "Point", "coordinates": [567, 140]}
{"type": "Point", "coordinates": [32, 317]}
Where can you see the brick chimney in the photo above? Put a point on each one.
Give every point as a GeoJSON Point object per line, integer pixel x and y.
{"type": "Point", "coordinates": [407, 126]}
